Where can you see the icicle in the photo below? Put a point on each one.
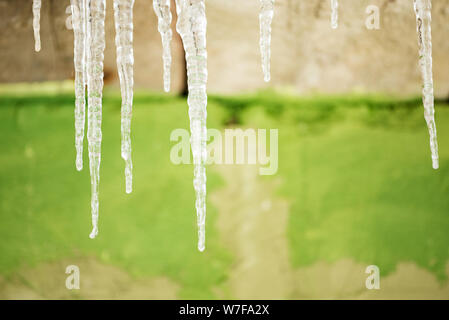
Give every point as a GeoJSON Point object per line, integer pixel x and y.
{"type": "Point", "coordinates": [191, 25]}
{"type": "Point", "coordinates": [37, 24]}
{"type": "Point", "coordinates": [123, 13]}
{"type": "Point", "coordinates": [265, 19]}
{"type": "Point", "coordinates": [162, 10]}
{"type": "Point", "coordinates": [423, 10]}
{"type": "Point", "coordinates": [334, 18]}
{"type": "Point", "coordinates": [95, 57]}
{"type": "Point", "coordinates": [86, 14]}
{"type": "Point", "coordinates": [79, 33]}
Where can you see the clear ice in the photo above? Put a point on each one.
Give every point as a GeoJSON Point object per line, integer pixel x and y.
{"type": "Point", "coordinates": [191, 25]}
{"type": "Point", "coordinates": [37, 24]}
{"type": "Point", "coordinates": [334, 15]}
{"type": "Point", "coordinates": [265, 19]}
{"type": "Point", "coordinates": [123, 13]}
{"type": "Point", "coordinates": [89, 44]}
{"type": "Point", "coordinates": [79, 32]}
{"type": "Point", "coordinates": [423, 10]}
{"type": "Point", "coordinates": [95, 57]}
{"type": "Point", "coordinates": [164, 16]}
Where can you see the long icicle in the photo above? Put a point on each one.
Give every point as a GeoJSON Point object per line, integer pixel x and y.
{"type": "Point", "coordinates": [191, 25]}
{"type": "Point", "coordinates": [95, 57]}
{"type": "Point", "coordinates": [265, 19]}
{"type": "Point", "coordinates": [123, 13]}
{"type": "Point", "coordinates": [37, 24]}
{"type": "Point", "coordinates": [423, 10]}
{"type": "Point", "coordinates": [334, 14]}
{"type": "Point", "coordinates": [164, 16]}
{"type": "Point", "coordinates": [79, 32]}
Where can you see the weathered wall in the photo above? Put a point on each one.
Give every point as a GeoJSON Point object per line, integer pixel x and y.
{"type": "Point", "coordinates": [307, 54]}
{"type": "Point", "coordinates": [19, 62]}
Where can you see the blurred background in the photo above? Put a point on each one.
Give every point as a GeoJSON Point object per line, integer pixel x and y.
{"type": "Point", "coordinates": [355, 185]}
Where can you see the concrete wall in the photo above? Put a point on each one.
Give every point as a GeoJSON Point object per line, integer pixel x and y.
{"type": "Point", "coordinates": [307, 55]}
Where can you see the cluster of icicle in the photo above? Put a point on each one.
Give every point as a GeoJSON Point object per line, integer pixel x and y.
{"type": "Point", "coordinates": [88, 26]}
{"type": "Point", "coordinates": [423, 10]}
{"type": "Point", "coordinates": [88, 18]}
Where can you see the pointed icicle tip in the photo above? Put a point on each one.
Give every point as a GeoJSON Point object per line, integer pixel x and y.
{"type": "Point", "coordinates": [79, 163]}
{"type": "Point", "coordinates": [435, 164]}
{"type": "Point", "coordinates": [94, 233]}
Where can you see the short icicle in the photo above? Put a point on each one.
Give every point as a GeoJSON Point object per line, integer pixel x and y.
{"type": "Point", "coordinates": [95, 56]}
{"type": "Point", "coordinates": [123, 13]}
{"type": "Point", "coordinates": [79, 33]}
{"type": "Point", "coordinates": [265, 19]}
{"type": "Point", "coordinates": [334, 14]}
{"type": "Point", "coordinates": [423, 10]}
{"type": "Point", "coordinates": [164, 16]}
{"type": "Point", "coordinates": [191, 25]}
{"type": "Point", "coordinates": [37, 24]}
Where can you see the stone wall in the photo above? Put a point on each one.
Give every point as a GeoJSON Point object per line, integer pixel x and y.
{"type": "Point", "coordinates": [307, 55]}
